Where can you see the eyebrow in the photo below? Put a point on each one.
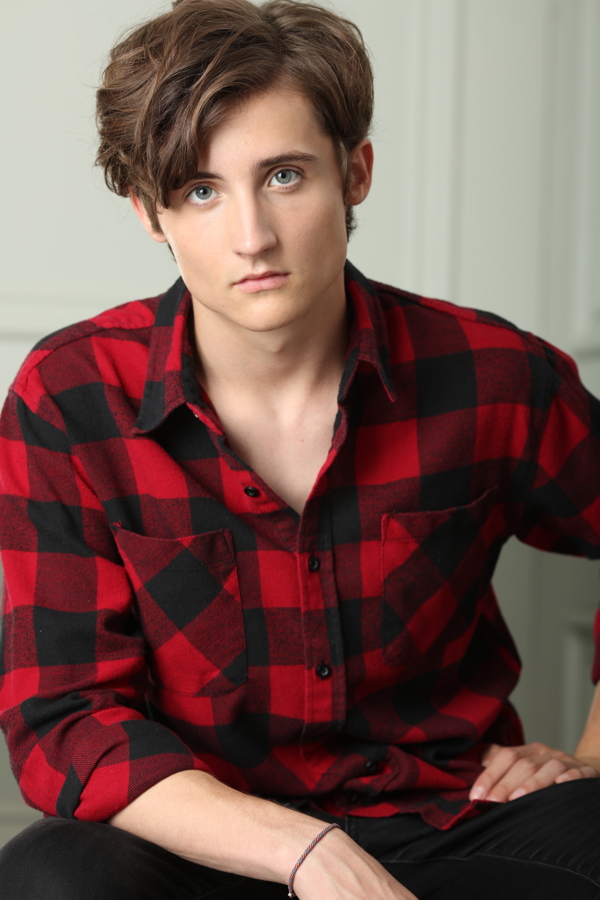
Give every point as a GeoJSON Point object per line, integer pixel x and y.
{"type": "Point", "coordinates": [293, 156]}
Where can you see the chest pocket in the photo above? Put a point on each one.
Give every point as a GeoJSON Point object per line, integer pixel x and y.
{"type": "Point", "coordinates": [436, 567]}
{"type": "Point", "coordinates": [190, 610]}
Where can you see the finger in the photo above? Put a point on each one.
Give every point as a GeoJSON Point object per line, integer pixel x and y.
{"type": "Point", "coordinates": [496, 769]}
{"type": "Point", "coordinates": [575, 773]}
{"type": "Point", "coordinates": [543, 776]}
{"type": "Point", "coordinates": [503, 759]}
{"type": "Point", "coordinates": [523, 772]}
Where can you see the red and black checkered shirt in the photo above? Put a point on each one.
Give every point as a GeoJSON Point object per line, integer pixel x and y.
{"type": "Point", "coordinates": [165, 610]}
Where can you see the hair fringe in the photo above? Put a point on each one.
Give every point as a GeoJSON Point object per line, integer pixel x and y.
{"type": "Point", "coordinates": [171, 80]}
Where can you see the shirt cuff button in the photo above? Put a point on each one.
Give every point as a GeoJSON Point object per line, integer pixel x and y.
{"type": "Point", "coordinates": [251, 491]}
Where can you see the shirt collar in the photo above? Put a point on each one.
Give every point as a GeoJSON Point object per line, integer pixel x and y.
{"type": "Point", "coordinates": [368, 336]}
{"type": "Point", "coordinates": [170, 379]}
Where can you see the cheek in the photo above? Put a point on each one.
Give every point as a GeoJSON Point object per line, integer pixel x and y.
{"type": "Point", "coordinates": [197, 253]}
{"type": "Point", "coordinates": [323, 227]}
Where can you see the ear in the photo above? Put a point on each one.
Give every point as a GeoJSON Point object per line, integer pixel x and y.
{"type": "Point", "coordinates": [361, 172]}
{"type": "Point", "coordinates": [145, 219]}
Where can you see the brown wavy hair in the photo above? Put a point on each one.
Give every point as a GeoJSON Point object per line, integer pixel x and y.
{"type": "Point", "coordinates": [169, 81]}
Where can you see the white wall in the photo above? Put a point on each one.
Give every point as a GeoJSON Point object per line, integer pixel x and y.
{"type": "Point", "coordinates": [486, 192]}
{"type": "Point", "coordinates": [471, 161]}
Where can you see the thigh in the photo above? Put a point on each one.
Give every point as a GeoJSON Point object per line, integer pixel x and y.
{"type": "Point", "coordinates": [483, 877]}
{"type": "Point", "coordinates": [59, 859]}
{"type": "Point", "coordinates": [545, 845]}
{"type": "Point", "coordinates": [557, 827]}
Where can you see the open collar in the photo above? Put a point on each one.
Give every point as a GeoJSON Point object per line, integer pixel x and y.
{"type": "Point", "coordinates": [170, 379]}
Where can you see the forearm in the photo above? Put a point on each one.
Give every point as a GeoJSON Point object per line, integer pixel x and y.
{"type": "Point", "coordinates": [197, 817]}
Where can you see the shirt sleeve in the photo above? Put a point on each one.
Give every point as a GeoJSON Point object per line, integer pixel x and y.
{"type": "Point", "coordinates": [560, 511]}
{"type": "Point", "coordinates": [72, 670]}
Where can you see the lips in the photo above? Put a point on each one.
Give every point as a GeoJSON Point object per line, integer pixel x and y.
{"type": "Point", "coordinates": [264, 281]}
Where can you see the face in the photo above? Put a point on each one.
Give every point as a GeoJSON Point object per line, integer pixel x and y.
{"type": "Point", "coordinates": [259, 234]}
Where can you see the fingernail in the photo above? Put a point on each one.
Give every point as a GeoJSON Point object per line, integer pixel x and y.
{"type": "Point", "coordinates": [477, 793]}
{"type": "Point", "coordinates": [516, 794]}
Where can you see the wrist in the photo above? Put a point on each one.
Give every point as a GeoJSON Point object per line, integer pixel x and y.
{"type": "Point", "coordinates": [588, 751]}
{"type": "Point", "coordinates": [289, 839]}
{"type": "Point", "coordinates": [323, 862]}
{"type": "Point", "coordinates": [316, 840]}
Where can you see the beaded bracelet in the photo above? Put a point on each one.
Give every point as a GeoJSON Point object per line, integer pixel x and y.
{"type": "Point", "coordinates": [303, 857]}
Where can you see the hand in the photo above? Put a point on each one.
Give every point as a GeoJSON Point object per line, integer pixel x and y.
{"type": "Point", "coordinates": [512, 772]}
{"type": "Point", "coordinates": [339, 869]}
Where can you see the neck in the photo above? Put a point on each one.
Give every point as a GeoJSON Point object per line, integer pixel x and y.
{"type": "Point", "coordinates": [301, 357]}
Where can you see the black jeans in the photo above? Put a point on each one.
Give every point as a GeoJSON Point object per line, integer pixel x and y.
{"type": "Point", "coordinates": [545, 846]}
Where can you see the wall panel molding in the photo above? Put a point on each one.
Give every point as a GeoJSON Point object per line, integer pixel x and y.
{"type": "Point", "coordinates": [433, 130]}
{"type": "Point", "coordinates": [585, 318]}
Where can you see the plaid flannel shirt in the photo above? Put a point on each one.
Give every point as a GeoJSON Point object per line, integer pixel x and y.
{"type": "Point", "coordinates": [165, 610]}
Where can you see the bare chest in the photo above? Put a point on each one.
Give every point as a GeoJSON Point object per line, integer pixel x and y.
{"type": "Point", "coordinates": [287, 454]}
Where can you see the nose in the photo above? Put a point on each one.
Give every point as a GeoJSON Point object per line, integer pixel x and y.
{"type": "Point", "coordinates": [252, 230]}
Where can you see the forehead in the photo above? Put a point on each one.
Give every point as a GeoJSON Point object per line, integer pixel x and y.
{"type": "Point", "coordinates": [265, 125]}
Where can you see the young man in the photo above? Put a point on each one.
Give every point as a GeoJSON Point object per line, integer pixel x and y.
{"type": "Point", "coordinates": [249, 526]}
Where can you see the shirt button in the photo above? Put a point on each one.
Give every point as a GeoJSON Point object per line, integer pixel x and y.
{"type": "Point", "coordinates": [370, 766]}
{"type": "Point", "coordinates": [323, 671]}
{"type": "Point", "coordinates": [251, 491]}
{"type": "Point", "coordinates": [314, 563]}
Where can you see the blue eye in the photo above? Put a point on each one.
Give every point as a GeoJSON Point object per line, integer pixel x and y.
{"type": "Point", "coordinates": [285, 177]}
{"type": "Point", "coordinates": [201, 194]}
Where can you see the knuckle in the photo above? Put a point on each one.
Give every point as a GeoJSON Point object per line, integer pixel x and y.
{"type": "Point", "coordinates": [536, 781]}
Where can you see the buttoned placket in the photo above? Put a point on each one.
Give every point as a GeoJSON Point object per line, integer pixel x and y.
{"type": "Point", "coordinates": [324, 670]}
{"type": "Point", "coordinates": [325, 674]}
{"type": "Point", "coordinates": [325, 687]}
